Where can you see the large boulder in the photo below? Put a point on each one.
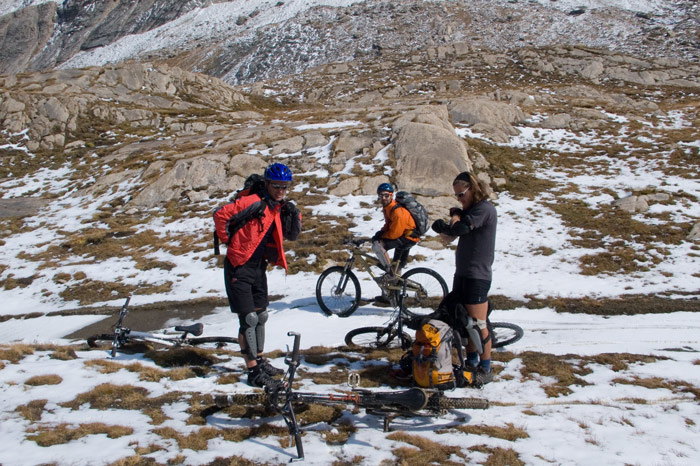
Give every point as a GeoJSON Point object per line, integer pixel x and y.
{"type": "Point", "coordinates": [487, 114]}
{"type": "Point", "coordinates": [200, 174]}
{"type": "Point", "coordinates": [428, 157]}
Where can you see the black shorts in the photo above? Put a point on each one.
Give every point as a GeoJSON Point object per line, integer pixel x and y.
{"type": "Point", "coordinates": [471, 290]}
{"type": "Point", "coordinates": [246, 286]}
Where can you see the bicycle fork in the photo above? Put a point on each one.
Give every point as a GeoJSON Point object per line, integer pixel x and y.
{"type": "Point", "coordinates": [344, 277]}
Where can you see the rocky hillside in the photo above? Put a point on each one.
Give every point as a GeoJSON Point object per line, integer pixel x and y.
{"type": "Point", "coordinates": [124, 150]}
{"type": "Point", "coordinates": [244, 42]}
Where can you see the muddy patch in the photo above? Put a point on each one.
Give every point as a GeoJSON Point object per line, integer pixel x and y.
{"type": "Point", "coordinates": [21, 206]}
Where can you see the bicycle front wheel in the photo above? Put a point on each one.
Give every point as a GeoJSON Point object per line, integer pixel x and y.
{"type": "Point", "coordinates": [425, 289]}
{"type": "Point", "coordinates": [439, 402]}
{"type": "Point", "coordinates": [503, 333]}
{"type": "Point", "coordinates": [241, 399]}
{"type": "Point", "coordinates": [338, 291]}
{"type": "Point", "coordinates": [376, 337]}
{"type": "Point", "coordinates": [218, 341]}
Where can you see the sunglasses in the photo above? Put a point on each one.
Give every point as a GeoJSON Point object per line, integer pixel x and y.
{"type": "Point", "coordinates": [385, 196]}
{"type": "Point", "coordinates": [460, 195]}
{"type": "Point", "coordinates": [279, 186]}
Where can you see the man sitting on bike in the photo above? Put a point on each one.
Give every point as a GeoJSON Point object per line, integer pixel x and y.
{"type": "Point", "coordinates": [253, 227]}
{"type": "Point", "coordinates": [397, 233]}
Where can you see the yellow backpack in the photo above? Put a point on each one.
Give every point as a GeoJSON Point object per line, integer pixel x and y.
{"type": "Point", "coordinates": [432, 356]}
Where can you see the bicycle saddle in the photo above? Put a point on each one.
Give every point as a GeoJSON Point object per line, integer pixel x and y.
{"type": "Point", "coordinates": [194, 329]}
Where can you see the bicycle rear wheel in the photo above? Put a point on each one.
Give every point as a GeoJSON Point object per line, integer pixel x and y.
{"type": "Point", "coordinates": [376, 337]}
{"type": "Point", "coordinates": [440, 402]}
{"type": "Point", "coordinates": [503, 333]}
{"type": "Point", "coordinates": [102, 339]}
{"type": "Point", "coordinates": [425, 289]}
{"type": "Point", "coordinates": [338, 292]}
{"type": "Point", "coordinates": [219, 341]}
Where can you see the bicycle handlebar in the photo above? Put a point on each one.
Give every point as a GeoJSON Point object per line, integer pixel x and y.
{"type": "Point", "coordinates": [355, 242]}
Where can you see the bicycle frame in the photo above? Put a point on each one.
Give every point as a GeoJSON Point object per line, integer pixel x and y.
{"type": "Point", "coordinates": [366, 261]}
{"type": "Point", "coordinates": [122, 334]}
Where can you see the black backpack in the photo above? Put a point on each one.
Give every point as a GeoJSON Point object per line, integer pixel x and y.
{"type": "Point", "coordinates": [418, 212]}
{"type": "Point", "coordinates": [254, 184]}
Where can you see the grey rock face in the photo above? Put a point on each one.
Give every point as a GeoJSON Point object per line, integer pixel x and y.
{"type": "Point", "coordinates": [46, 35]}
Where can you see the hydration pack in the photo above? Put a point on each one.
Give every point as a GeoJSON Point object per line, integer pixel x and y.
{"type": "Point", "coordinates": [418, 212]}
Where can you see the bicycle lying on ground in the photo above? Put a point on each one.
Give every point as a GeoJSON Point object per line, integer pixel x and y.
{"type": "Point", "coordinates": [124, 336]}
{"type": "Point", "coordinates": [390, 404]}
{"type": "Point", "coordinates": [338, 290]}
{"type": "Point", "coordinates": [392, 335]}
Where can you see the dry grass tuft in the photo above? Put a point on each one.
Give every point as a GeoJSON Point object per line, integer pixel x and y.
{"type": "Point", "coordinates": [653, 383]}
{"type": "Point", "coordinates": [14, 353]}
{"type": "Point", "coordinates": [509, 432]}
{"type": "Point", "coordinates": [549, 365]}
{"type": "Point", "coordinates": [32, 411]}
{"type": "Point", "coordinates": [46, 436]}
{"type": "Point", "coordinates": [499, 456]}
{"type": "Point", "coordinates": [110, 396]}
{"type": "Point", "coordinates": [425, 451]}
{"type": "Point", "coordinates": [341, 434]}
{"type": "Point", "coordinates": [64, 354]}
{"type": "Point", "coordinates": [37, 380]}
{"type": "Point", "coordinates": [234, 461]}
{"type": "Point", "coordinates": [621, 361]}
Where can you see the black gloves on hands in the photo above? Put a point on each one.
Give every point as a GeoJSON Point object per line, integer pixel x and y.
{"type": "Point", "coordinates": [377, 236]}
{"type": "Point", "coordinates": [291, 221]}
{"type": "Point", "coordinates": [288, 208]}
{"type": "Point", "coordinates": [455, 211]}
{"type": "Point", "coordinates": [440, 226]}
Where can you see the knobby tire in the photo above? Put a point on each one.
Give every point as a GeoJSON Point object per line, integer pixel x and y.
{"type": "Point", "coordinates": [220, 341]}
{"type": "Point", "coordinates": [333, 303]}
{"type": "Point", "coordinates": [443, 402]}
{"type": "Point", "coordinates": [504, 333]}
{"type": "Point", "coordinates": [423, 301]}
{"type": "Point", "coordinates": [375, 337]}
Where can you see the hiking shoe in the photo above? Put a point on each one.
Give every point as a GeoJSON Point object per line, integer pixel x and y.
{"type": "Point", "coordinates": [387, 279]}
{"type": "Point", "coordinates": [258, 378]}
{"type": "Point", "coordinates": [268, 368]}
{"type": "Point", "coordinates": [481, 377]}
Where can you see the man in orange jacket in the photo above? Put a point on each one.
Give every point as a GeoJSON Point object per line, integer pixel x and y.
{"type": "Point", "coordinates": [397, 233]}
{"type": "Point", "coordinates": [253, 227]}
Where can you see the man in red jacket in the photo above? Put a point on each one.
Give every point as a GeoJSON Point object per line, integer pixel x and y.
{"type": "Point", "coordinates": [253, 227]}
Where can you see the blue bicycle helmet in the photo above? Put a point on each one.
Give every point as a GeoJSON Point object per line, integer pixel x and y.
{"type": "Point", "coordinates": [385, 187]}
{"type": "Point", "coordinates": [278, 172]}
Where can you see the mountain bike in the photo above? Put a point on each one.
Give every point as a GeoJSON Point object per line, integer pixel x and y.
{"type": "Point", "coordinates": [392, 335]}
{"type": "Point", "coordinates": [124, 336]}
{"type": "Point", "coordinates": [390, 404]}
{"type": "Point", "coordinates": [338, 290]}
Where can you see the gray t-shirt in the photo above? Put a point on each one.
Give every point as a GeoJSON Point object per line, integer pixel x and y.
{"type": "Point", "coordinates": [477, 241]}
